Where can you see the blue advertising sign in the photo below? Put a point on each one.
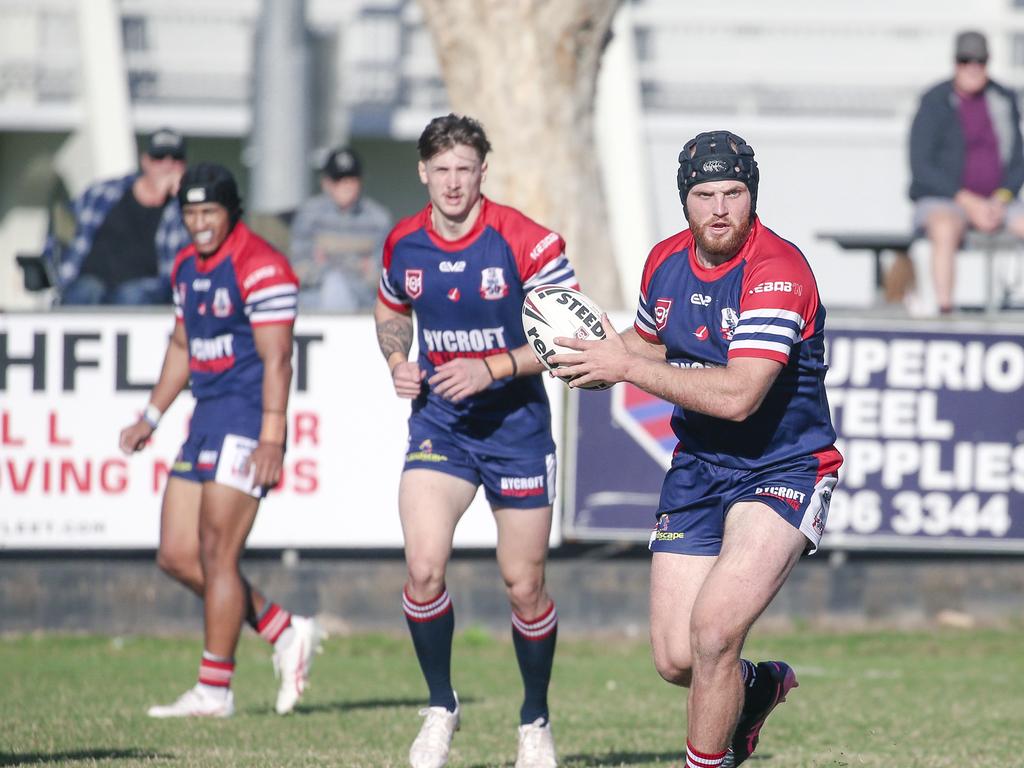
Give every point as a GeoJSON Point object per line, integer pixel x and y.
{"type": "Point", "coordinates": [930, 421]}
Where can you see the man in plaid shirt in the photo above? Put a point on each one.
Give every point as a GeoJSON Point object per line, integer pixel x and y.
{"type": "Point", "coordinates": [127, 233]}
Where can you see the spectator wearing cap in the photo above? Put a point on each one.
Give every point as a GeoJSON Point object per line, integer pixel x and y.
{"type": "Point", "coordinates": [127, 232]}
{"type": "Point", "coordinates": [337, 237]}
{"type": "Point", "coordinates": [966, 161]}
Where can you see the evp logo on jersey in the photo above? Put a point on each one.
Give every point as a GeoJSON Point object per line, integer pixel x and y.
{"type": "Point", "coordinates": [661, 310]}
{"type": "Point", "coordinates": [222, 305]}
{"type": "Point", "coordinates": [414, 283]}
{"type": "Point", "coordinates": [492, 284]}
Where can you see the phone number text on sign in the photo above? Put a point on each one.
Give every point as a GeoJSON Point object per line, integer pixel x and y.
{"type": "Point", "coordinates": [931, 425]}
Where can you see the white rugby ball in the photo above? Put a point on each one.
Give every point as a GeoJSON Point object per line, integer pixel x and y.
{"type": "Point", "coordinates": [554, 310]}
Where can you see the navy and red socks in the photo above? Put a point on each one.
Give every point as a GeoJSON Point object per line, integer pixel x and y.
{"type": "Point", "coordinates": [534, 641]}
{"type": "Point", "coordinates": [698, 759]}
{"type": "Point", "coordinates": [432, 626]}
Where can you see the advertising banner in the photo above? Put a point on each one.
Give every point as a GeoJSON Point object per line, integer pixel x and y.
{"type": "Point", "coordinates": [70, 382]}
{"type": "Point", "coordinates": [930, 421]}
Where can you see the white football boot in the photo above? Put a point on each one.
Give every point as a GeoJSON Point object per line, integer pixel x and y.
{"type": "Point", "coordinates": [197, 702]}
{"type": "Point", "coordinates": [536, 745]}
{"type": "Point", "coordinates": [293, 658]}
{"type": "Point", "coordinates": [434, 741]}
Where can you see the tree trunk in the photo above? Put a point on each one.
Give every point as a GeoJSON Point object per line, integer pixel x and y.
{"type": "Point", "coordinates": [527, 70]}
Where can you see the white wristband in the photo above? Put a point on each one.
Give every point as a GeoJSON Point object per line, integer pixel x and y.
{"type": "Point", "coordinates": [152, 415]}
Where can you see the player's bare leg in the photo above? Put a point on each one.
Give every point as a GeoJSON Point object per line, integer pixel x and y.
{"type": "Point", "coordinates": [522, 554]}
{"type": "Point", "coordinates": [759, 551]}
{"type": "Point", "coordinates": [225, 519]}
{"type": "Point", "coordinates": [675, 582]}
{"type": "Point", "coordinates": [178, 555]}
{"type": "Point", "coordinates": [430, 505]}
{"type": "Point", "coordinates": [295, 639]}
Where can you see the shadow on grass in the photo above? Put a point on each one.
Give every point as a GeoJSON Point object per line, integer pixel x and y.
{"type": "Point", "coordinates": [583, 760]}
{"type": "Point", "coordinates": [348, 706]}
{"type": "Point", "coordinates": [90, 755]}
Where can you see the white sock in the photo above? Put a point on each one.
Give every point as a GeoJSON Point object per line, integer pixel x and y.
{"type": "Point", "coordinates": [219, 692]}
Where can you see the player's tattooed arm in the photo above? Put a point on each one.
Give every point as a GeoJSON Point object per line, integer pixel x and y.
{"type": "Point", "coordinates": [394, 334]}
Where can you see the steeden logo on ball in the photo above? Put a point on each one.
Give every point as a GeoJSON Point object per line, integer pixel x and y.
{"type": "Point", "coordinates": [550, 311]}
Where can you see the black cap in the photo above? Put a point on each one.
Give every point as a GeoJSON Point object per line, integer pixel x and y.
{"type": "Point", "coordinates": [342, 162]}
{"type": "Point", "coordinates": [971, 46]}
{"type": "Point", "coordinates": [166, 142]}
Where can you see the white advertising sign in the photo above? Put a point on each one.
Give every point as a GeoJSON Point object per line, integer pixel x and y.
{"type": "Point", "coordinates": [70, 382]}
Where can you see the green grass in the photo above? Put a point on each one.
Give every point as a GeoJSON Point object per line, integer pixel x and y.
{"type": "Point", "coordinates": [890, 700]}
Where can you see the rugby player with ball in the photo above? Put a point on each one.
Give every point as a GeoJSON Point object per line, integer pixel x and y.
{"type": "Point", "coordinates": [733, 313]}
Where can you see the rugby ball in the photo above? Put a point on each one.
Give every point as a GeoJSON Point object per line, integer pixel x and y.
{"type": "Point", "coordinates": [554, 310]}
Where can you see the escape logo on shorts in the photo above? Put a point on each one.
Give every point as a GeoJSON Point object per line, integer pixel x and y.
{"type": "Point", "coordinates": [662, 530]}
{"type": "Point", "coordinates": [425, 452]}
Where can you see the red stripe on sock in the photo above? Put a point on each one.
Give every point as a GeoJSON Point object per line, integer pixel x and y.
{"type": "Point", "coordinates": [432, 609]}
{"type": "Point", "coordinates": [275, 620]}
{"type": "Point", "coordinates": [697, 759]}
{"type": "Point", "coordinates": [216, 673]}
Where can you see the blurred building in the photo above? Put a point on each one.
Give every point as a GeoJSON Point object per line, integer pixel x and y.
{"type": "Point", "coordinates": [824, 91]}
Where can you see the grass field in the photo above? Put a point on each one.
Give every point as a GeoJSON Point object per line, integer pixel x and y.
{"type": "Point", "coordinates": [881, 699]}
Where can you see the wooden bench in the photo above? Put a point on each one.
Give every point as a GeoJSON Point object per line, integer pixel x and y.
{"type": "Point", "coordinates": [881, 243]}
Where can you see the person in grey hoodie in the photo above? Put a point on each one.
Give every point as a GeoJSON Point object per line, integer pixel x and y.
{"type": "Point", "coordinates": [336, 239]}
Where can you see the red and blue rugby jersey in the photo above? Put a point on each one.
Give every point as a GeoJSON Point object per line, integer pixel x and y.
{"type": "Point", "coordinates": [468, 295]}
{"type": "Point", "coordinates": [219, 299]}
{"type": "Point", "coordinates": [761, 303]}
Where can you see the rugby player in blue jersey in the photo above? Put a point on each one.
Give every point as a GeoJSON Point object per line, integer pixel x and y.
{"type": "Point", "coordinates": [234, 304]}
{"type": "Point", "coordinates": [480, 416]}
{"type": "Point", "coordinates": [730, 330]}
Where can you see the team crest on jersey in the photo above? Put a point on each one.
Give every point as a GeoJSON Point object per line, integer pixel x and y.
{"type": "Point", "coordinates": [454, 295]}
{"type": "Point", "coordinates": [492, 283]}
{"type": "Point", "coordinates": [222, 305]}
{"type": "Point", "coordinates": [661, 310]}
{"type": "Point", "coordinates": [729, 322]}
{"type": "Point", "coordinates": [413, 283]}
{"type": "Point", "coordinates": [701, 333]}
